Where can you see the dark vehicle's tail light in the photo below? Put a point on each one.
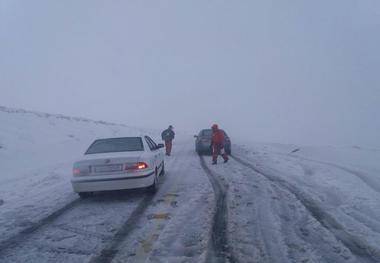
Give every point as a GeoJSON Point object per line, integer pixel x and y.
{"type": "Point", "coordinates": [135, 166]}
{"type": "Point", "coordinates": [76, 171]}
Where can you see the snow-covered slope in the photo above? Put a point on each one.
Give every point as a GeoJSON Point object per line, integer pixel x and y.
{"type": "Point", "coordinates": [30, 140]}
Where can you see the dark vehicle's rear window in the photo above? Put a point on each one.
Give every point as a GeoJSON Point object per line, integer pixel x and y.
{"type": "Point", "coordinates": [208, 133]}
{"type": "Point", "coordinates": [127, 144]}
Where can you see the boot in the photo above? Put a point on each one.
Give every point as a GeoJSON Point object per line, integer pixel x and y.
{"type": "Point", "coordinates": [213, 162]}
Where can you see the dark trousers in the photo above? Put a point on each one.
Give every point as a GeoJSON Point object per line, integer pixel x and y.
{"type": "Point", "coordinates": [168, 147]}
{"type": "Point", "coordinates": [218, 149]}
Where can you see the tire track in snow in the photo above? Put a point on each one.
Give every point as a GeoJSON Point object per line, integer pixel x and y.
{"type": "Point", "coordinates": [27, 232]}
{"type": "Point", "coordinates": [109, 252]}
{"type": "Point", "coordinates": [22, 237]}
{"type": "Point", "coordinates": [220, 249]}
{"type": "Point", "coordinates": [358, 247]}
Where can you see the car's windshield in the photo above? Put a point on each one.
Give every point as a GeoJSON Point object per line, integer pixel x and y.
{"type": "Point", "coordinates": [127, 144]}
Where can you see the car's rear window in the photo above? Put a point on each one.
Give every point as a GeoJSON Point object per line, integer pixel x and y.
{"type": "Point", "coordinates": [127, 144]}
{"type": "Point", "coordinates": [208, 133]}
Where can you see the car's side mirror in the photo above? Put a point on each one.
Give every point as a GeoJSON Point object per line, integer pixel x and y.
{"type": "Point", "coordinates": [160, 145]}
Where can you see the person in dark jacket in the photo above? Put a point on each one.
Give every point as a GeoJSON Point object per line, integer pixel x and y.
{"type": "Point", "coordinates": [168, 136]}
{"type": "Point", "coordinates": [217, 144]}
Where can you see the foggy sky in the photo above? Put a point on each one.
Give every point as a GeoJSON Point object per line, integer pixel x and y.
{"type": "Point", "coordinates": [304, 72]}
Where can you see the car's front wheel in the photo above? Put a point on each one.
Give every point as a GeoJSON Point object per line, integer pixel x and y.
{"type": "Point", "coordinates": [162, 173]}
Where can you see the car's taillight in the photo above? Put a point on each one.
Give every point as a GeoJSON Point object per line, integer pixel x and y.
{"type": "Point", "coordinates": [141, 166]}
{"type": "Point", "coordinates": [76, 171]}
{"type": "Point", "coordinates": [135, 166]}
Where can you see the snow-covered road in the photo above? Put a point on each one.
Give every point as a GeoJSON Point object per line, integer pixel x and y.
{"type": "Point", "coordinates": [269, 203]}
{"type": "Point", "coordinates": [235, 212]}
{"type": "Point", "coordinates": [127, 226]}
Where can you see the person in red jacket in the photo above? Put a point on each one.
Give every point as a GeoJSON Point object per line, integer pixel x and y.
{"type": "Point", "coordinates": [217, 144]}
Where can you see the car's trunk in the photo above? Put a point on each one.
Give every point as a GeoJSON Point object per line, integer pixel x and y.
{"type": "Point", "coordinates": [108, 163]}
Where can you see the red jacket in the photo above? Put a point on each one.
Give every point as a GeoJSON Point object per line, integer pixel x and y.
{"type": "Point", "coordinates": [217, 137]}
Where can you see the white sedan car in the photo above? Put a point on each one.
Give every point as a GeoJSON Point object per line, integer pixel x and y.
{"type": "Point", "coordinates": [119, 163]}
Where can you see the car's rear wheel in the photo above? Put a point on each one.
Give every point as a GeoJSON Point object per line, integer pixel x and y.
{"type": "Point", "coordinates": [154, 187]}
{"type": "Point", "coordinates": [84, 195]}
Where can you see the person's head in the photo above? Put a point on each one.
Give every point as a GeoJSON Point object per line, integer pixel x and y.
{"type": "Point", "coordinates": [170, 127]}
{"type": "Point", "coordinates": [214, 127]}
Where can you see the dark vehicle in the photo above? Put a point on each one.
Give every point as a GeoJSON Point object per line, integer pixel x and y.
{"type": "Point", "coordinates": [203, 142]}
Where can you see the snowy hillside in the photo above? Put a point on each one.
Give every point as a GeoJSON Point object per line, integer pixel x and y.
{"type": "Point", "coordinates": [29, 139]}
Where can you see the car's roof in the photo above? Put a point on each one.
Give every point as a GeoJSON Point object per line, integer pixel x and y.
{"type": "Point", "coordinates": [124, 137]}
{"type": "Point", "coordinates": [210, 130]}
